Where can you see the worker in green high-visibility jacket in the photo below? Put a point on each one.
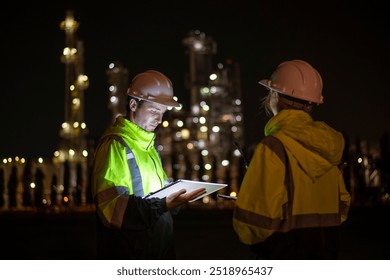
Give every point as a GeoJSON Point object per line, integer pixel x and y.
{"type": "Point", "coordinates": [126, 168]}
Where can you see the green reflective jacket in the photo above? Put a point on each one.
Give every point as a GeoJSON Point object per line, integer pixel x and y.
{"type": "Point", "coordinates": [293, 180]}
{"type": "Point", "coordinates": [146, 222]}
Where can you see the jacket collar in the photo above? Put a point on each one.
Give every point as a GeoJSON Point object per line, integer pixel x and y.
{"type": "Point", "coordinates": [131, 132]}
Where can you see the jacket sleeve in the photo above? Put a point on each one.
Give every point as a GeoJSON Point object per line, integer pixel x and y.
{"type": "Point", "coordinates": [262, 197]}
{"type": "Point", "coordinates": [116, 206]}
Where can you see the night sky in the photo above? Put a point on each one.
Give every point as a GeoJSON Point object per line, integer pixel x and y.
{"type": "Point", "coordinates": [347, 43]}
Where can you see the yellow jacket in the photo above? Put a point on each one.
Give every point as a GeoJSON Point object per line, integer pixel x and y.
{"type": "Point", "coordinates": [293, 179]}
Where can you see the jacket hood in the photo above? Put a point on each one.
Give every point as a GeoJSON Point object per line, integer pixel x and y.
{"type": "Point", "coordinates": [131, 132]}
{"type": "Point", "coordinates": [316, 146]}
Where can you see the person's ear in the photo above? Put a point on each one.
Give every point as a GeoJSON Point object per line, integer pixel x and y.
{"type": "Point", "coordinates": [133, 105]}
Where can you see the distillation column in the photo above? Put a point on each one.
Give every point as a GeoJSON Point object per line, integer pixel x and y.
{"type": "Point", "coordinates": [71, 158]}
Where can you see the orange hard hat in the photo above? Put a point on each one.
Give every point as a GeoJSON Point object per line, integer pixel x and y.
{"type": "Point", "coordinates": [298, 79]}
{"type": "Point", "coordinates": [153, 86]}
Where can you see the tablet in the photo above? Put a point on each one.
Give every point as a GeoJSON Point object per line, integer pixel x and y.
{"type": "Point", "coordinates": [189, 185]}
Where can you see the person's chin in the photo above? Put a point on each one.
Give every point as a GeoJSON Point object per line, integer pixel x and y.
{"type": "Point", "coordinates": [151, 128]}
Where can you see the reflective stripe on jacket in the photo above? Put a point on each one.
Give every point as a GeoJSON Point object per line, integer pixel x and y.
{"type": "Point", "coordinates": [112, 179]}
{"type": "Point", "coordinates": [293, 179]}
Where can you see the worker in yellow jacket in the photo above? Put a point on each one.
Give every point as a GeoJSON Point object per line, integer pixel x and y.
{"type": "Point", "coordinates": [293, 199]}
{"type": "Point", "coordinates": [126, 168]}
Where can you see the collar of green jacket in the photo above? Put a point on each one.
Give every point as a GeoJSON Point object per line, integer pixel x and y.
{"type": "Point", "coordinates": [131, 132]}
{"type": "Point", "coordinates": [315, 145]}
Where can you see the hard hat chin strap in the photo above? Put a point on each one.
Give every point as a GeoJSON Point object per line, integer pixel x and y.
{"type": "Point", "coordinates": [292, 103]}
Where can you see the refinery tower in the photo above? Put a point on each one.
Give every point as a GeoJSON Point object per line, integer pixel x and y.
{"type": "Point", "coordinates": [71, 157]}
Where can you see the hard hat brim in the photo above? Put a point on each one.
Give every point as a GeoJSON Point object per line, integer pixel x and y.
{"type": "Point", "coordinates": [163, 100]}
{"type": "Point", "coordinates": [266, 83]}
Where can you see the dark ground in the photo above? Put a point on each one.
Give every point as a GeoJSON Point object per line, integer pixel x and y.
{"type": "Point", "coordinates": [200, 235]}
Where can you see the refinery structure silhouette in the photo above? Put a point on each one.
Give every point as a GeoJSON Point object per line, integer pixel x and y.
{"type": "Point", "coordinates": [199, 141]}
